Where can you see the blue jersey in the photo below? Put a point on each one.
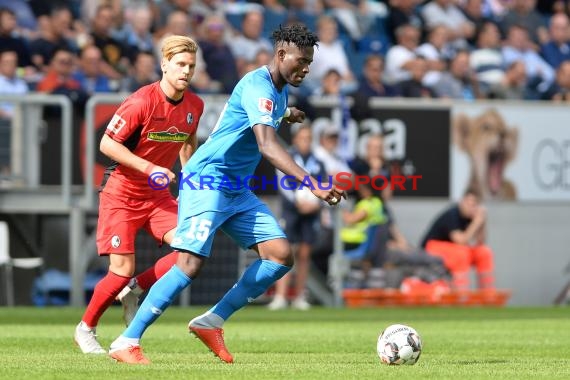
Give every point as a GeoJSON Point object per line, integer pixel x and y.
{"type": "Point", "coordinates": [230, 155]}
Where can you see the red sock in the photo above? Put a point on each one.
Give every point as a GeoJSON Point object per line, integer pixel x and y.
{"type": "Point", "coordinates": [151, 275]}
{"type": "Point", "coordinates": [103, 296]}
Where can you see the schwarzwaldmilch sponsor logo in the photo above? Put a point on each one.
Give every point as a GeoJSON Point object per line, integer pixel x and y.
{"type": "Point", "coordinates": [170, 135]}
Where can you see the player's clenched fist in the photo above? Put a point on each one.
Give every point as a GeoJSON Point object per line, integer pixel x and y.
{"type": "Point", "coordinates": [329, 193]}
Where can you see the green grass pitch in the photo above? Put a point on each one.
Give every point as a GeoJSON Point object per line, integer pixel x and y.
{"type": "Point", "coordinates": [459, 343]}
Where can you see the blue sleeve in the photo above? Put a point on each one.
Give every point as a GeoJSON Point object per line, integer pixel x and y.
{"type": "Point", "coordinates": [259, 102]}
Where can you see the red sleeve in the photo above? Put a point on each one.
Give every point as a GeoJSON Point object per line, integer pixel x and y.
{"type": "Point", "coordinates": [130, 115]}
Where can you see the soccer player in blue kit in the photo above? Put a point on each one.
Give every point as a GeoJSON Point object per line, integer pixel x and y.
{"type": "Point", "coordinates": [245, 131]}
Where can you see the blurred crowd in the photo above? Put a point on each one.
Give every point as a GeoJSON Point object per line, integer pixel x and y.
{"type": "Point", "coordinates": [460, 49]}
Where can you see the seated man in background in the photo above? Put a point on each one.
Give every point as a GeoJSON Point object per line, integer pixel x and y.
{"type": "Point", "coordinates": [458, 237]}
{"type": "Point", "coordinates": [398, 259]}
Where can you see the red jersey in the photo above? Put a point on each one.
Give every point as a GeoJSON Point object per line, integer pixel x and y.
{"type": "Point", "coordinates": [153, 127]}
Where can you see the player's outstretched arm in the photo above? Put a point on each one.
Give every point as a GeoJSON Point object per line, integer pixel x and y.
{"type": "Point", "coordinates": [121, 154]}
{"type": "Point", "coordinates": [270, 148]}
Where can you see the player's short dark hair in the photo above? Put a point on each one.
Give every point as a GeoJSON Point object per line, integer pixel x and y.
{"type": "Point", "coordinates": [297, 34]}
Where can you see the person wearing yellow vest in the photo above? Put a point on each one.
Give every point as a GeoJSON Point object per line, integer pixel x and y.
{"type": "Point", "coordinates": [368, 211]}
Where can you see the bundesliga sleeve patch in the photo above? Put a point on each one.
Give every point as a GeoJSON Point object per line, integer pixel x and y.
{"type": "Point", "coordinates": [116, 124]}
{"type": "Point", "coordinates": [265, 105]}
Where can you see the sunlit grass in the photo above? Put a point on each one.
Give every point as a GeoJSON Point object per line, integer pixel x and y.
{"type": "Point", "coordinates": [463, 343]}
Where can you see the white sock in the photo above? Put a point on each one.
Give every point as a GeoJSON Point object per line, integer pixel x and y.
{"type": "Point", "coordinates": [122, 342]}
{"type": "Point", "coordinates": [208, 319]}
{"type": "Point", "coordinates": [83, 326]}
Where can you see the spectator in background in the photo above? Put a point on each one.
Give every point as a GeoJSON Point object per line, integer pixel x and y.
{"type": "Point", "coordinates": [136, 34]}
{"type": "Point", "coordinates": [59, 78]}
{"type": "Point", "coordinates": [330, 55]}
{"type": "Point", "coordinates": [356, 16]}
{"type": "Point", "coordinates": [203, 9]}
{"type": "Point", "coordinates": [557, 50]}
{"type": "Point", "coordinates": [300, 219]}
{"type": "Point", "coordinates": [522, 13]}
{"type": "Point", "coordinates": [445, 12]}
{"type": "Point", "coordinates": [373, 163]}
{"type": "Point", "coordinates": [547, 8]}
{"type": "Point", "coordinates": [459, 82]}
{"type": "Point", "coordinates": [436, 51]}
{"type": "Point", "coordinates": [27, 21]}
{"type": "Point", "coordinates": [53, 37]}
{"type": "Point", "coordinates": [10, 40]}
{"type": "Point", "coordinates": [10, 84]}
{"type": "Point", "coordinates": [165, 8]}
{"type": "Point", "coordinates": [246, 45]}
{"type": "Point", "coordinates": [371, 85]}
{"type": "Point", "coordinates": [403, 12]}
{"type": "Point", "coordinates": [401, 58]}
{"type": "Point", "coordinates": [474, 10]}
{"type": "Point", "coordinates": [518, 47]}
{"type": "Point", "coordinates": [259, 60]}
{"type": "Point", "coordinates": [513, 85]}
{"type": "Point", "coordinates": [89, 73]}
{"type": "Point", "coordinates": [560, 90]}
{"type": "Point", "coordinates": [330, 84]}
{"type": "Point", "coordinates": [144, 72]}
{"type": "Point", "coordinates": [263, 57]}
{"type": "Point", "coordinates": [390, 249]}
{"type": "Point", "coordinates": [361, 224]}
{"type": "Point", "coordinates": [326, 150]}
{"type": "Point", "coordinates": [414, 87]}
{"type": "Point", "coordinates": [178, 24]}
{"type": "Point", "coordinates": [220, 62]}
{"type": "Point", "coordinates": [114, 52]}
{"type": "Point", "coordinates": [458, 236]}
{"type": "Point", "coordinates": [495, 9]}
{"type": "Point", "coordinates": [397, 259]}
{"type": "Point", "coordinates": [486, 59]}
{"type": "Point", "coordinates": [311, 7]}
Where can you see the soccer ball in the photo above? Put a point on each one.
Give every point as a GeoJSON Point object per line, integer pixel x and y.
{"type": "Point", "coordinates": [399, 344]}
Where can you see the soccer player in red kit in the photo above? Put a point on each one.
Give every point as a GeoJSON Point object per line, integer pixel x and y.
{"type": "Point", "coordinates": [151, 128]}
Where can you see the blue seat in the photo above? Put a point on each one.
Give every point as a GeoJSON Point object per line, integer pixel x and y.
{"type": "Point", "coordinates": [306, 18]}
{"type": "Point", "coordinates": [272, 20]}
{"type": "Point", "coordinates": [356, 61]}
{"type": "Point", "coordinates": [235, 20]}
{"type": "Point", "coordinates": [360, 252]}
{"type": "Point", "coordinates": [378, 44]}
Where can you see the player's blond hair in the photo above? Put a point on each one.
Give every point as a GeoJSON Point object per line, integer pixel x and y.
{"type": "Point", "coordinates": [173, 45]}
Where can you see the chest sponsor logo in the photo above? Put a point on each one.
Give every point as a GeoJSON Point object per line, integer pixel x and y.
{"type": "Point", "coordinates": [172, 134]}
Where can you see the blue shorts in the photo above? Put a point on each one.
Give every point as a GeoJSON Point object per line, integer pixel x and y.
{"type": "Point", "coordinates": [243, 216]}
